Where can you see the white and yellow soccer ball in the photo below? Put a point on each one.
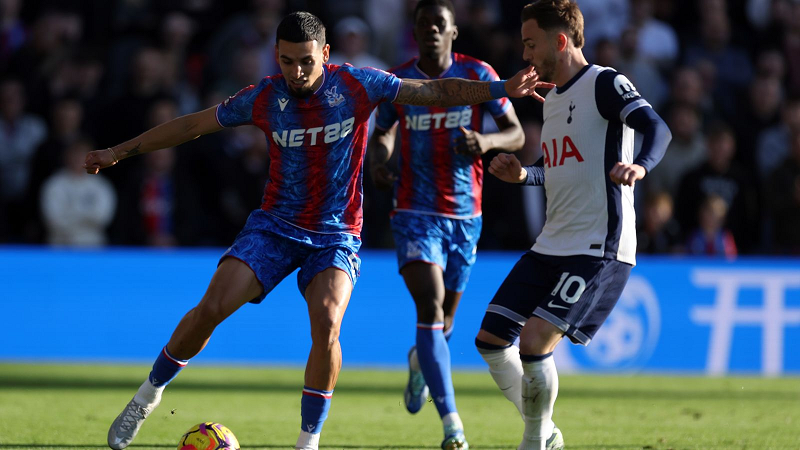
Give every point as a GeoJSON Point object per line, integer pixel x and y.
{"type": "Point", "coordinates": [208, 436]}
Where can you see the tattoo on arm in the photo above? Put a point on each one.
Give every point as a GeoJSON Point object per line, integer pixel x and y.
{"type": "Point", "coordinates": [444, 92]}
{"type": "Point", "coordinates": [134, 151]}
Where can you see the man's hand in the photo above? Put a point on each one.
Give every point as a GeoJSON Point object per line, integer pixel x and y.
{"type": "Point", "coordinates": [508, 168]}
{"type": "Point", "coordinates": [471, 143]}
{"type": "Point", "coordinates": [525, 83]}
{"type": "Point", "coordinates": [627, 174]}
{"type": "Point", "coordinates": [99, 159]}
{"type": "Point", "coordinates": [382, 177]}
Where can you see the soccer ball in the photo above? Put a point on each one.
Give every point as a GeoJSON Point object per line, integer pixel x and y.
{"type": "Point", "coordinates": [208, 436]}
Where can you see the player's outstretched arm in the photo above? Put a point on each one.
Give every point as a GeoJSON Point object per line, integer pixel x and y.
{"type": "Point", "coordinates": [379, 151]}
{"type": "Point", "coordinates": [168, 134]}
{"type": "Point", "coordinates": [448, 92]}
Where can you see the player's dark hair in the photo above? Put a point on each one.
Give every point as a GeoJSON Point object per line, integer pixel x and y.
{"type": "Point", "coordinates": [446, 4]}
{"type": "Point", "coordinates": [561, 15]}
{"type": "Point", "coordinates": [299, 27]}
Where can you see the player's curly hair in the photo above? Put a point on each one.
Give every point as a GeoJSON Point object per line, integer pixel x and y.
{"type": "Point", "coordinates": [562, 15]}
{"type": "Point", "coordinates": [446, 4]}
{"type": "Point", "coordinates": [299, 27]}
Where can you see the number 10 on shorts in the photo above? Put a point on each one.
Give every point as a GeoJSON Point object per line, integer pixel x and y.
{"type": "Point", "coordinates": [564, 286]}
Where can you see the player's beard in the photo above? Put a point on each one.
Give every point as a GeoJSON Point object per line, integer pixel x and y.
{"type": "Point", "coordinates": [547, 68]}
{"type": "Point", "coordinates": [303, 92]}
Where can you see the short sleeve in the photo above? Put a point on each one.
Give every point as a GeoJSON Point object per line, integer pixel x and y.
{"type": "Point", "coordinates": [498, 107]}
{"type": "Point", "coordinates": [380, 85]}
{"type": "Point", "coordinates": [385, 116]}
{"type": "Point", "coordinates": [238, 109]}
{"type": "Point", "coordinates": [616, 96]}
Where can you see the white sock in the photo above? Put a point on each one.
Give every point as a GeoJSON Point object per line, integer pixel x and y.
{"type": "Point", "coordinates": [307, 441]}
{"type": "Point", "coordinates": [451, 423]}
{"type": "Point", "coordinates": [148, 395]}
{"type": "Point", "coordinates": [539, 392]}
{"type": "Point", "coordinates": [506, 370]}
{"type": "Point", "coordinates": [413, 360]}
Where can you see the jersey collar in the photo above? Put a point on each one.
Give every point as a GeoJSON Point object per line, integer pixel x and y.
{"type": "Point", "coordinates": [441, 75]}
{"type": "Point", "coordinates": [562, 89]}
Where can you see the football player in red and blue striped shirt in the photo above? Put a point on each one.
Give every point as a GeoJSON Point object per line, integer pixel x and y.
{"type": "Point", "coordinates": [314, 117]}
{"type": "Point", "coordinates": [436, 219]}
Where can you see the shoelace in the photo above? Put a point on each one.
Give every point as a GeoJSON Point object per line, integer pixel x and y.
{"type": "Point", "coordinates": [131, 416]}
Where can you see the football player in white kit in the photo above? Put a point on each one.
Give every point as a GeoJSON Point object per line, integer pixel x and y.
{"type": "Point", "coordinates": [572, 277]}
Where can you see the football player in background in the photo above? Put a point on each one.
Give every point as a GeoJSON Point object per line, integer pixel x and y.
{"type": "Point", "coordinates": [314, 116]}
{"type": "Point", "coordinates": [436, 219]}
{"type": "Point", "coordinates": [569, 282]}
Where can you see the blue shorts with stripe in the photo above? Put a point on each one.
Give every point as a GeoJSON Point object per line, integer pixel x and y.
{"type": "Point", "coordinates": [574, 293]}
{"type": "Point", "coordinates": [274, 248]}
{"type": "Point", "coordinates": [449, 243]}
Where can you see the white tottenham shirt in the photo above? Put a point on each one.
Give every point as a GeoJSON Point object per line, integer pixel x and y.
{"type": "Point", "coordinates": [584, 135]}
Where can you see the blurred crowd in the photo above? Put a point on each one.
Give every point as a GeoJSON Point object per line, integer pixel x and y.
{"type": "Point", "coordinates": [81, 75]}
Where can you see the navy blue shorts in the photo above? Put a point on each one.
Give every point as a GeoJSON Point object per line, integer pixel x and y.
{"type": "Point", "coordinates": [449, 243]}
{"type": "Point", "coordinates": [574, 293]}
{"type": "Point", "coordinates": [273, 249]}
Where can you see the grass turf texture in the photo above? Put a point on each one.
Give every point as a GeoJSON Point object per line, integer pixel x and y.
{"type": "Point", "coordinates": [71, 406]}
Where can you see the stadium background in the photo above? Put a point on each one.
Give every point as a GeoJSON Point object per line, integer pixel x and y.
{"type": "Point", "coordinates": [718, 284]}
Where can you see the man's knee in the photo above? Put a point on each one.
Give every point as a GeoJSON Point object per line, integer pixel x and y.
{"type": "Point", "coordinates": [539, 337]}
{"type": "Point", "coordinates": [325, 325]}
{"type": "Point", "coordinates": [429, 310]}
{"type": "Point", "coordinates": [210, 311]}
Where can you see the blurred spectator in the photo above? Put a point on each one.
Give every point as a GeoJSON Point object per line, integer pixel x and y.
{"type": "Point", "coordinates": [65, 129]}
{"type": "Point", "coordinates": [791, 45]}
{"type": "Point", "coordinates": [686, 151]}
{"type": "Point", "coordinates": [391, 25]}
{"type": "Point", "coordinates": [658, 232]}
{"type": "Point", "coordinates": [774, 142]}
{"type": "Point", "coordinates": [732, 68]}
{"type": "Point", "coordinates": [688, 88]}
{"type": "Point", "coordinates": [54, 34]}
{"type": "Point", "coordinates": [722, 176]}
{"type": "Point", "coordinates": [481, 36]}
{"type": "Point", "coordinates": [643, 73]}
{"type": "Point", "coordinates": [758, 111]}
{"type": "Point", "coordinates": [20, 135]}
{"type": "Point", "coordinates": [126, 116]}
{"type": "Point", "coordinates": [148, 212]}
{"type": "Point", "coordinates": [246, 177]}
{"type": "Point", "coordinates": [351, 44]}
{"type": "Point", "coordinates": [245, 70]}
{"type": "Point", "coordinates": [711, 238]}
{"type": "Point", "coordinates": [771, 63]}
{"type": "Point", "coordinates": [657, 40]}
{"type": "Point", "coordinates": [601, 19]}
{"type": "Point", "coordinates": [12, 31]}
{"type": "Point", "coordinates": [177, 30]}
{"type": "Point", "coordinates": [253, 30]}
{"type": "Point", "coordinates": [783, 199]}
{"type": "Point", "coordinates": [76, 206]}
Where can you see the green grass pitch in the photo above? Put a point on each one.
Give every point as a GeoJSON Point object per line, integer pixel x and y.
{"type": "Point", "coordinates": [71, 407]}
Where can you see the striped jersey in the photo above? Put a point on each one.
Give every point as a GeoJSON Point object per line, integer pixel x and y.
{"type": "Point", "coordinates": [583, 136]}
{"type": "Point", "coordinates": [433, 178]}
{"type": "Point", "coordinates": [316, 144]}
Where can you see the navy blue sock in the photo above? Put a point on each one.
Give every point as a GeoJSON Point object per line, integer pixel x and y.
{"type": "Point", "coordinates": [314, 409]}
{"type": "Point", "coordinates": [434, 360]}
{"type": "Point", "coordinates": [166, 368]}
